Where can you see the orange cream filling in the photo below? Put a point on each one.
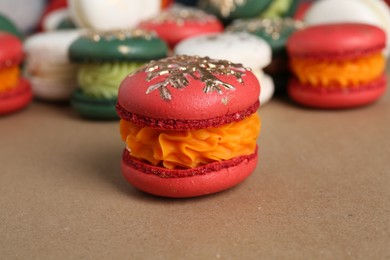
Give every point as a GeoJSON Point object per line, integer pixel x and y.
{"type": "Point", "coordinates": [9, 77]}
{"type": "Point", "coordinates": [343, 73]}
{"type": "Point", "coordinates": [192, 148]}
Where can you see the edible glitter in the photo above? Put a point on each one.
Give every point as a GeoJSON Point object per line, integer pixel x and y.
{"type": "Point", "coordinates": [180, 15]}
{"type": "Point", "coordinates": [121, 35]}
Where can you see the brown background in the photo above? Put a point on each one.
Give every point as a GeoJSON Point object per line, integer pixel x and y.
{"type": "Point", "coordinates": [321, 191]}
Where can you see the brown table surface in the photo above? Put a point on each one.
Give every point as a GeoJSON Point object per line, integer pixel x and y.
{"type": "Point", "coordinates": [321, 190]}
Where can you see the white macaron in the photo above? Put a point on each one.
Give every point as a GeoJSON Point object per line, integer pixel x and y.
{"type": "Point", "coordinates": [244, 48]}
{"type": "Point", "coordinates": [374, 12]}
{"type": "Point", "coordinates": [111, 15]}
{"type": "Point", "coordinates": [52, 75]}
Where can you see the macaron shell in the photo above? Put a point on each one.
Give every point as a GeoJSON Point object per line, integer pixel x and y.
{"type": "Point", "coordinates": [16, 99]}
{"type": "Point", "coordinates": [50, 47]}
{"type": "Point", "coordinates": [308, 96]}
{"type": "Point", "coordinates": [111, 15]}
{"type": "Point", "coordinates": [189, 103]}
{"type": "Point", "coordinates": [374, 12]}
{"type": "Point", "coordinates": [240, 47]}
{"type": "Point", "coordinates": [86, 49]}
{"type": "Point", "coordinates": [173, 33]}
{"type": "Point", "coordinates": [185, 187]}
{"type": "Point", "coordinates": [11, 50]}
{"type": "Point", "coordinates": [93, 108]}
{"type": "Point", "coordinates": [336, 41]}
{"type": "Point", "coordinates": [52, 89]}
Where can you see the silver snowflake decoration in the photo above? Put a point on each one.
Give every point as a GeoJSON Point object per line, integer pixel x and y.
{"type": "Point", "coordinates": [178, 68]}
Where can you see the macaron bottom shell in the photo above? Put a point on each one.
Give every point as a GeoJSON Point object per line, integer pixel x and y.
{"type": "Point", "coordinates": [192, 186]}
{"type": "Point", "coordinates": [336, 98]}
{"type": "Point", "coordinates": [92, 107]}
{"type": "Point", "coordinates": [51, 90]}
{"type": "Point", "coordinates": [16, 99]}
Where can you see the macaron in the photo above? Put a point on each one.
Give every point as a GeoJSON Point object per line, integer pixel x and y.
{"type": "Point", "coordinates": [337, 65]}
{"type": "Point", "coordinates": [275, 31]}
{"type": "Point", "coordinates": [106, 58]}
{"type": "Point", "coordinates": [178, 23]}
{"type": "Point", "coordinates": [241, 47]}
{"type": "Point", "coordinates": [112, 15]}
{"type": "Point", "coordinates": [52, 75]}
{"type": "Point", "coordinates": [374, 12]}
{"type": "Point", "coordinates": [192, 131]}
{"type": "Point", "coordinates": [15, 92]}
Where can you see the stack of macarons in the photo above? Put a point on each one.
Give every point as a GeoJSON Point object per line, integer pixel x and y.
{"type": "Point", "coordinates": [15, 92]}
{"type": "Point", "coordinates": [178, 23]}
{"type": "Point", "coordinates": [241, 47]}
{"type": "Point", "coordinates": [192, 131]}
{"type": "Point", "coordinates": [106, 58]}
{"type": "Point", "coordinates": [337, 65]}
{"type": "Point", "coordinates": [52, 75]}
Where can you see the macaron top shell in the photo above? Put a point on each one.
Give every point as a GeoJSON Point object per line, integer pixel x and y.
{"type": "Point", "coordinates": [178, 23]}
{"type": "Point", "coordinates": [244, 48]}
{"type": "Point", "coordinates": [121, 45]}
{"type": "Point", "coordinates": [275, 31]}
{"type": "Point", "coordinates": [111, 15]}
{"type": "Point", "coordinates": [337, 41]}
{"type": "Point", "coordinates": [11, 50]}
{"type": "Point", "coordinates": [194, 89]}
{"type": "Point", "coordinates": [374, 12]}
{"type": "Point", "coordinates": [51, 47]}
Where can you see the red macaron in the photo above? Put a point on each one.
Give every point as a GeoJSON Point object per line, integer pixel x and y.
{"type": "Point", "coordinates": [337, 65]}
{"type": "Point", "coordinates": [15, 92]}
{"type": "Point", "coordinates": [176, 24]}
{"type": "Point", "coordinates": [192, 131]}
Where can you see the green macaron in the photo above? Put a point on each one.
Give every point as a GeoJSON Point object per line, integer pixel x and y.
{"type": "Point", "coordinates": [105, 59]}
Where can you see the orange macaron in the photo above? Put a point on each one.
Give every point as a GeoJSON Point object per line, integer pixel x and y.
{"type": "Point", "coordinates": [337, 65]}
